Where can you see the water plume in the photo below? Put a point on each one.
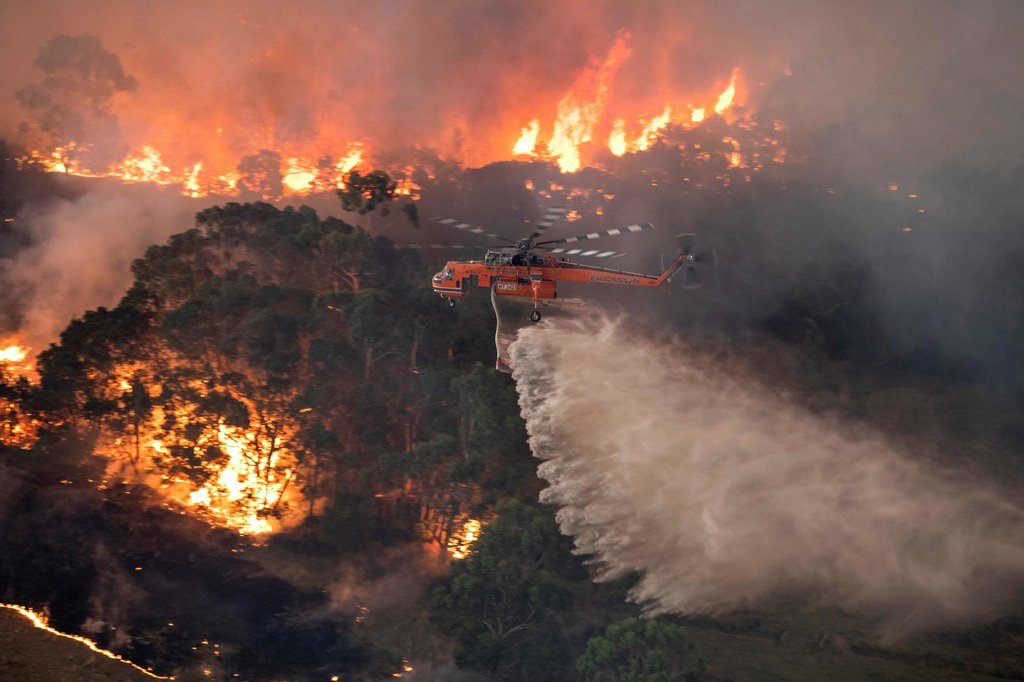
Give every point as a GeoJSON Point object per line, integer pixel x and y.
{"type": "Point", "coordinates": [725, 494]}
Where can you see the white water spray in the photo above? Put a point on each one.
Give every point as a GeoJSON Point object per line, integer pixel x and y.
{"type": "Point", "coordinates": [725, 495]}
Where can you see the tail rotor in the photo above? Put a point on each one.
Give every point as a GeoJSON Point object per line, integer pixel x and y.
{"type": "Point", "coordinates": [696, 260]}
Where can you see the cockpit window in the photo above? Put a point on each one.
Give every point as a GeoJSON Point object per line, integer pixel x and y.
{"type": "Point", "coordinates": [447, 273]}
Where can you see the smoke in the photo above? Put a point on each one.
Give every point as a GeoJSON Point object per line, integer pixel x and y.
{"type": "Point", "coordinates": [80, 254]}
{"type": "Point", "coordinates": [727, 495]}
{"type": "Point", "coordinates": [383, 590]}
{"type": "Point", "coordinates": [908, 82]}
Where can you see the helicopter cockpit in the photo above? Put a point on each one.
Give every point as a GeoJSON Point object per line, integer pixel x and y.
{"type": "Point", "coordinates": [516, 258]}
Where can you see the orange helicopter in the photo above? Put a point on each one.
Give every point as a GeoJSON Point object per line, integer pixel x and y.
{"type": "Point", "coordinates": [515, 270]}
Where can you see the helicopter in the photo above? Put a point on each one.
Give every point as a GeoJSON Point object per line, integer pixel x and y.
{"type": "Point", "coordinates": [514, 269]}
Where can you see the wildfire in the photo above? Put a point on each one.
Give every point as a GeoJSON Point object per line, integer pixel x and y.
{"type": "Point", "coordinates": [234, 475]}
{"type": "Point", "coordinates": [617, 138]}
{"type": "Point", "coordinates": [206, 157]}
{"type": "Point", "coordinates": [460, 542]}
{"type": "Point", "coordinates": [144, 166]}
{"type": "Point", "coordinates": [725, 100]}
{"type": "Point", "coordinates": [16, 359]}
{"type": "Point", "coordinates": [243, 491]}
{"type": "Point", "coordinates": [527, 138]}
{"type": "Point", "coordinates": [650, 131]}
{"type": "Point", "coordinates": [299, 175]}
{"type": "Point", "coordinates": [734, 157]}
{"type": "Point", "coordinates": [12, 354]}
{"type": "Point", "coordinates": [581, 108]}
{"type": "Point", "coordinates": [40, 621]}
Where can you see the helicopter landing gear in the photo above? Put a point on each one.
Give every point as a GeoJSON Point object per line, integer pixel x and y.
{"type": "Point", "coordinates": [535, 316]}
{"type": "Point", "coordinates": [451, 302]}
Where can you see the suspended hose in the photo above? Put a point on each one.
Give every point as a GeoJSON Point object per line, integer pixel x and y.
{"type": "Point", "coordinates": [500, 363]}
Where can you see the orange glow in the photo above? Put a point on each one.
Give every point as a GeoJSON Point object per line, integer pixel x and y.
{"type": "Point", "coordinates": [40, 621]}
{"type": "Point", "coordinates": [350, 160]}
{"type": "Point", "coordinates": [144, 166]}
{"type": "Point", "coordinates": [199, 154]}
{"type": "Point", "coordinates": [617, 138]}
{"type": "Point", "coordinates": [243, 490]}
{"type": "Point", "coordinates": [192, 188]}
{"type": "Point", "coordinates": [527, 138]}
{"type": "Point", "coordinates": [651, 130]}
{"type": "Point", "coordinates": [725, 100]}
{"type": "Point", "coordinates": [581, 108]}
{"type": "Point", "coordinates": [298, 176]}
{"type": "Point", "coordinates": [12, 354]}
{"type": "Point", "coordinates": [461, 542]}
{"type": "Point", "coordinates": [16, 358]}
{"type": "Point", "coordinates": [734, 157]}
{"type": "Point", "coordinates": [246, 478]}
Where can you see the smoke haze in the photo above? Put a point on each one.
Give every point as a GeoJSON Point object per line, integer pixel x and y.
{"type": "Point", "coordinates": [80, 254]}
{"type": "Point", "coordinates": [725, 495]}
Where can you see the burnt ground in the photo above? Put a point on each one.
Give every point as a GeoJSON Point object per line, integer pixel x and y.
{"type": "Point", "coordinates": [28, 654]}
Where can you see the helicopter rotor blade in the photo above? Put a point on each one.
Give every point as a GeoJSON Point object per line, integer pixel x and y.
{"type": "Point", "coordinates": [589, 253]}
{"type": "Point", "coordinates": [550, 217]}
{"type": "Point", "coordinates": [692, 279]}
{"type": "Point", "coordinates": [438, 246]}
{"type": "Point", "coordinates": [469, 227]}
{"type": "Point", "coordinates": [686, 243]}
{"type": "Point", "coordinates": [640, 227]}
{"type": "Point", "coordinates": [706, 257]}
{"type": "Point", "coordinates": [476, 247]}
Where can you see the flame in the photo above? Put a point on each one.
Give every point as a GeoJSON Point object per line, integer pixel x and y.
{"type": "Point", "coordinates": [581, 108]}
{"type": "Point", "coordinates": [350, 160]}
{"type": "Point", "coordinates": [40, 621]}
{"type": "Point", "coordinates": [16, 358]}
{"type": "Point", "coordinates": [202, 156]}
{"type": "Point", "coordinates": [617, 138]}
{"type": "Point", "coordinates": [246, 483]}
{"type": "Point", "coordinates": [243, 490]}
{"type": "Point", "coordinates": [460, 542]}
{"type": "Point", "coordinates": [13, 354]}
{"type": "Point", "coordinates": [650, 131]}
{"type": "Point", "coordinates": [146, 165]}
{"type": "Point", "coordinates": [192, 188]}
{"type": "Point", "coordinates": [734, 157]}
{"type": "Point", "coordinates": [299, 176]}
{"type": "Point", "coordinates": [725, 100]}
{"type": "Point", "coordinates": [527, 138]}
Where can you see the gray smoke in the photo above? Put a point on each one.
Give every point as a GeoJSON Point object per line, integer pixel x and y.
{"type": "Point", "coordinates": [727, 495]}
{"type": "Point", "coordinates": [81, 252]}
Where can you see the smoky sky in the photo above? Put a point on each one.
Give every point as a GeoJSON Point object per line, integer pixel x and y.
{"type": "Point", "coordinates": [910, 82]}
{"type": "Point", "coordinates": [868, 92]}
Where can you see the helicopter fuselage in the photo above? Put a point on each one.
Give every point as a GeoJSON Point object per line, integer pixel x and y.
{"type": "Point", "coordinates": [532, 276]}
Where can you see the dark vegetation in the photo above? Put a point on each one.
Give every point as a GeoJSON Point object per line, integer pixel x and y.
{"type": "Point", "coordinates": [326, 340]}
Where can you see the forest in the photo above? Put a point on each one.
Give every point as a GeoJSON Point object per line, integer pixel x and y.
{"type": "Point", "coordinates": [280, 456]}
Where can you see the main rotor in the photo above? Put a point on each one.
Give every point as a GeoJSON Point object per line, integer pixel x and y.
{"type": "Point", "coordinates": [524, 246]}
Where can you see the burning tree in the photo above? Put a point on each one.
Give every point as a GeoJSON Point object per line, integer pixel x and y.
{"type": "Point", "coordinates": [73, 102]}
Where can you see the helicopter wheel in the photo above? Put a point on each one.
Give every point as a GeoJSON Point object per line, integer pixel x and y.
{"type": "Point", "coordinates": [535, 316]}
{"type": "Point", "coordinates": [451, 302]}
